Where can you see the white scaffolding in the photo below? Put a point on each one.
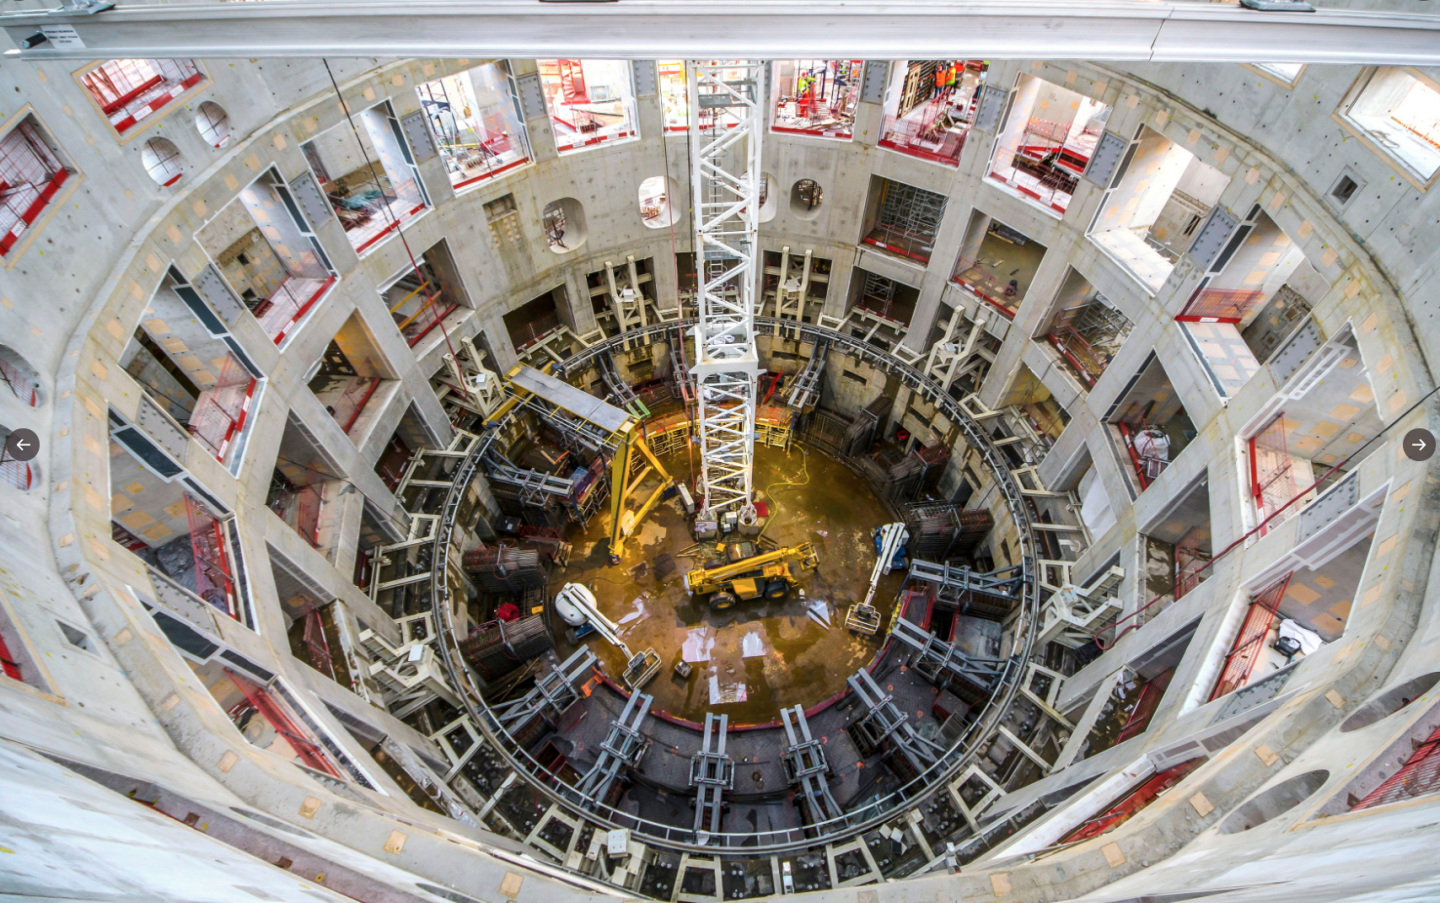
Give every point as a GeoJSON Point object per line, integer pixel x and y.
{"type": "Point", "coordinates": [726, 122]}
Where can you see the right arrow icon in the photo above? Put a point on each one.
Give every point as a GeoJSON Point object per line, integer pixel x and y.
{"type": "Point", "coordinates": [1419, 445]}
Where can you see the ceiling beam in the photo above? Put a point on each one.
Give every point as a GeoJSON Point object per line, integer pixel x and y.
{"type": "Point", "coordinates": [1120, 30]}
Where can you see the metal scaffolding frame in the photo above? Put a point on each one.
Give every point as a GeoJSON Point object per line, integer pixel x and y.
{"type": "Point", "coordinates": [945, 666]}
{"type": "Point", "coordinates": [553, 693]}
{"type": "Point", "coordinates": [711, 773]}
{"type": "Point", "coordinates": [805, 388]}
{"type": "Point", "coordinates": [884, 721]}
{"type": "Point", "coordinates": [725, 192]}
{"type": "Point", "coordinates": [806, 767]}
{"type": "Point", "coordinates": [622, 748]}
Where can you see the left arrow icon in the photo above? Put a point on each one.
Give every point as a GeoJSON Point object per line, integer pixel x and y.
{"type": "Point", "coordinates": [22, 445]}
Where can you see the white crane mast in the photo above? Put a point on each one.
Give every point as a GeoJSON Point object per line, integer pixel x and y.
{"type": "Point", "coordinates": [727, 118]}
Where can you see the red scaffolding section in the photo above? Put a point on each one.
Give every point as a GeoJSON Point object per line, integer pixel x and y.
{"type": "Point", "coordinates": [1418, 776]}
{"type": "Point", "coordinates": [1190, 562]}
{"type": "Point", "coordinates": [1217, 305]}
{"type": "Point", "coordinates": [1135, 801]}
{"type": "Point", "coordinates": [427, 316]}
{"type": "Point", "coordinates": [259, 700]}
{"type": "Point", "coordinates": [289, 304]}
{"type": "Point", "coordinates": [131, 90]}
{"type": "Point", "coordinates": [30, 176]}
{"type": "Point", "coordinates": [8, 663]}
{"type": "Point", "coordinates": [15, 473]}
{"type": "Point", "coordinates": [214, 579]}
{"type": "Point", "coordinates": [221, 410]}
{"type": "Point", "coordinates": [1145, 706]}
{"type": "Point", "coordinates": [1250, 641]}
{"type": "Point", "coordinates": [1272, 478]}
{"type": "Point", "coordinates": [317, 645]}
{"type": "Point", "coordinates": [347, 408]}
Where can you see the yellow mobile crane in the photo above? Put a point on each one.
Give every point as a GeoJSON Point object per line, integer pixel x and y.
{"type": "Point", "coordinates": [749, 576]}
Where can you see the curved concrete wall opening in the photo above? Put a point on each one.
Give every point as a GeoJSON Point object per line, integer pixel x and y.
{"type": "Point", "coordinates": [1391, 701]}
{"type": "Point", "coordinates": [806, 196]}
{"type": "Point", "coordinates": [565, 226]}
{"type": "Point", "coordinates": [1274, 802]}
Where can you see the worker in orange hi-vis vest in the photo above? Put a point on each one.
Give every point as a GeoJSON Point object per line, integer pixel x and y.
{"type": "Point", "coordinates": [939, 80]}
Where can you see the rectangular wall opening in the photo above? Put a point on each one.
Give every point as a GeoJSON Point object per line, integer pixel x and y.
{"type": "Point", "coordinates": [265, 250]}
{"type": "Point", "coordinates": [1046, 142]}
{"type": "Point", "coordinates": [33, 170]}
{"type": "Point", "coordinates": [477, 124]}
{"type": "Point", "coordinates": [1037, 417]}
{"type": "Point", "coordinates": [620, 310]}
{"type": "Point", "coordinates": [303, 480]}
{"type": "Point", "coordinates": [591, 102]}
{"type": "Point", "coordinates": [535, 320]}
{"type": "Point", "coordinates": [1279, 628]}
{"type": "Point", "coordinates": [1397, 111]}
{"type": "Point", "coordinates": [997, 263]}
{"type": "Point", "coordinates": [804, 290]}
{"type": "Point", "coordinates": [903, 219]}
{"type": "Point", "coordinates": [1253, 287]}
{"type": "Point", "coordinates": [371, 180]}
{"type": "Point", "coordinates": [1313, 432]}
{"type": "Point", "coordinates": [1132, 705]}
{"type": "Point", "coordinates": [192, 375]}
{"type": "Point", "coordinates": [1176, 550]}
{"type": "Point", "coordinates": [310, 625]}
{"type": "Point", "coordinates": [349, 375]}
{"type": "Point", "coordinates": [881, 301]}
{"type": "Point", "coordinates": [815, 97]}
{"type": "Point", "coordinates": [425, 295]}
{"type": "Point", "coordinates": [1155, 206]}
{"type": "Point", "coordinates": [129, 92]}
{"type": "Point", "coordinates": [1085, 331]}
{"type": "Point", "coordinates": [929, 107]}
{"type": "Point", "coordinates": [1149, 425]}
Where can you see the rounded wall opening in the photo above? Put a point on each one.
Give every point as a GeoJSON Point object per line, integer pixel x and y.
{"type": "Point", "coordinates": [213, 124]}
{"type": "Point", "coordinates": [162, 161]}
{"type": "Point", "coordinates": [564, 222]}
{"type": "Point", "coordinates": [769, 197]}
{"type": "Point", "coordinates": [806, 196]}
{"type": "Point", "coordinates": [1274, 802]}
{"type": "Point", "coordinates": [1390, 702]}
{"type": "Point", "coordinates": [657, 206]}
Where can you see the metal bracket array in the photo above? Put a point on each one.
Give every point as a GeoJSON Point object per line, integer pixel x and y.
{"type": "Point", "coordinates": [805, 389]}
{"type": "Point", "coordinates": [806, 767]}
{"type": "Point", "coordinates": [711, 773]}
{"type": "Point", "coordinates": [622, 748]}
{"type": "Point", "coordinates": [884, 721]}
{"type": "Point", "coordinates": [944, 665]}
{"type": "Point", "coordinates": [553, 693]}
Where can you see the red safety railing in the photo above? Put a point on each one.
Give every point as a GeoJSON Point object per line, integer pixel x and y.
{"type": "Point", "coordinates": [273, 711]}
{"type": "Point", "coordinates": [214, 579]}
{"type": "Point", "coordinates": [433, 308]}
{"type": "Point", "coordinates": [1272, 473]}
{"type": "Point", "coordinates": [8, 663]}
{"type": "Point", "coordinates": [925, 138]}
{"type": "Point", "coordinates": [1083, 358]}
{"type": "Point", "coordinates": [30, 177]}
{"type": "Point", "coordinates": [317, 645]}
{"type": "Point", "coordinates": [129, 91]}
{"type": "Point", "coordinates": [289, 304]}
{"type": "Point", "coordinates": [1419, 775]}
{"type": "Point", "coordinates": [1145, 706]}
{"type": "Point", "coordinates": [15, 473]}
{"type": "Point", "coordinates": [986, 286]}
{"type": "Point", "coordinates": [221, 411]}
{"type": "Point", "coordinates": [347, 408]}
{"type": "Point", "coordinates": [915, 245]}
{"type": "Point", "coordinates": [1135, 801]}
{"type": "Point", "coordinates": [1213, 305]}
{"type": "Point", "coordinates": [1250, 641]}
{"type": "Point", "coordinates": [1149, 450]}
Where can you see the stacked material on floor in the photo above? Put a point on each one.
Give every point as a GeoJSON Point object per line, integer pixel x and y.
{"type": "Point", "coordinates": [506, 567]}
{"type": "Point", "coordinates": [497, 648]}
{"type": "Point", "coordinates": [939, 531]}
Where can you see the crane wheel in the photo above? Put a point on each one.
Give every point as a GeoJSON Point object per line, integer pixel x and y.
{"type": "Point", "coordinates": [722, 600]}
{"type": "Point", "coordinates": [777, 589]}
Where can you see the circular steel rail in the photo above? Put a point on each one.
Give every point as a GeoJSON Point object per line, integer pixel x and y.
{"type": "Point", "coordinates": [750, 844]}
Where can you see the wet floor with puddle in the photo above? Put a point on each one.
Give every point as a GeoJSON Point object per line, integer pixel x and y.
{"type": "Point", "coordinates": [752, 660]}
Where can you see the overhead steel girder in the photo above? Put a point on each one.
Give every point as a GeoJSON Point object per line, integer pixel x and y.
{"type": "Point", "coordinates": [646, 29]}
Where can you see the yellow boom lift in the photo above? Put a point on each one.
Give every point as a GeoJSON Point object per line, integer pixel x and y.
{"type": "Point", "coordinates": [749, 576]}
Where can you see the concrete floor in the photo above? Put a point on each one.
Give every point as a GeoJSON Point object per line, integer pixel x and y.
{"type": "Point", "coordinates": [793, 660]}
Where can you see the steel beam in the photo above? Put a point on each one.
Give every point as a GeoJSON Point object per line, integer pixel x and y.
{"type": "Point", "coordinates": [648, 29]}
